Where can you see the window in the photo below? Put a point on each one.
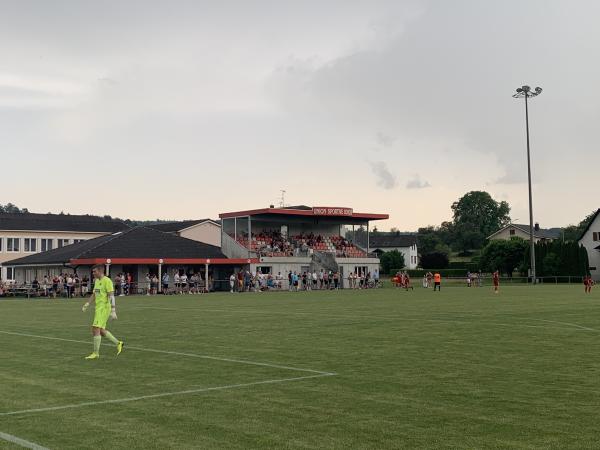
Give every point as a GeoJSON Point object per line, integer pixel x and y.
{"type": "Point", "coordinates": [10, 273]}
{"type": "Point", "coordinates": [12, 245]}
{"type": "Point", "coordinates": [47, 244]}
{"type": "Point", "coordinates": [512, 232]}
{"type": "Point", "coordinates": [62, 242]}
{"type": "Point", "coordinates": [30, 245]}
{"type": "Point", "coordinates": [76, 241]}
{"type": "Point", "coordinates": [1, 242]}
{"type": "Point", "coordinates": [596, 236]}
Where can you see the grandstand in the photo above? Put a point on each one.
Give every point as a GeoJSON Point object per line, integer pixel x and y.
{"type": "Point", "coordinates": [299, 238]}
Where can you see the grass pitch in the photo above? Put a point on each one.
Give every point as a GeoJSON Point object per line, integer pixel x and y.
{"type": "Point", "coordinates": [377, 369]}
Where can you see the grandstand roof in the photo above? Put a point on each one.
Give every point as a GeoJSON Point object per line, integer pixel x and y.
{"type": "Point", "coordinates": [391, 240]}
{"type": "Point", "coordinates": [59, 222]}
{"type": "Point", "coordinates": [173, 227]}
{"type": "Point", "coordinates": [307, 211]}
{"type": "Point", "coordinates": [141, 245]}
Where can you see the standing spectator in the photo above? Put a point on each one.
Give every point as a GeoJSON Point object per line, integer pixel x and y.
{"type": "Point", "coordinates": [70, 285]}
{"type": "Point", "coordinates": [177, 281]}
{"type": "Point", "coordinates": [183, 279]}
{"type": "Point", "coordinates": [84, 285]}
{"type": "Point", "coordinates": [231, 282]}
{"type": "Point", "coordinates": [123, 285]}
{"type": "Point", "coordinates": [45, 285]}
{"type": "Point", "coordinates": [165, 283]}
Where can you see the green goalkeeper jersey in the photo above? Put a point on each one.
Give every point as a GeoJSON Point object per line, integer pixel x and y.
{"type": "Point", "coordinates": [102, 288]}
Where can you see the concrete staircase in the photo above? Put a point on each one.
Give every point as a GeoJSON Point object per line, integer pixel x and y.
{"type": "Point", "coordinates": [323, 260]}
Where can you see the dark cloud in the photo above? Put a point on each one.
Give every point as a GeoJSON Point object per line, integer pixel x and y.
{"type": "Point", "coordinates": [385, 178]}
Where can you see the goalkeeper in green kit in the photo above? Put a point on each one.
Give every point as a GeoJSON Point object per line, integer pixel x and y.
{"type": "Point", "coordinates": [104, 298]}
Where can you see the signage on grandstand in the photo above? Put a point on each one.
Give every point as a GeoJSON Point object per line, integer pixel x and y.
{"type": "Point", "coordinates": [329, 211]}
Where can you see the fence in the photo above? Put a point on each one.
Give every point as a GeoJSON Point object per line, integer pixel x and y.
{"type": "Point", "coordinates": [144, 288]}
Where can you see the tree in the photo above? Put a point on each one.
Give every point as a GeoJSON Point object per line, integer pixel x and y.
{"type": "Point", "coordinates": [574, 232]}
{"type": "Point", "coordinates": [434, 239]}
{"type": "Point", "coordinates": [10, 208]}
{"type": "Point", "coordinates": [435, 260]}
{"type": "Point", "coordinates": [476, 216]}
{"type": "Point", "coordinates": [559, 258]}
{"type": "Point", "coordinates": [393, 260]}
{"type": "Point", "coordinates": [505, 256]}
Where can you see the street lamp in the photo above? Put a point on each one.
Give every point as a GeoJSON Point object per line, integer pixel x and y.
{"type": "Point", "coordinates": [526, 92]}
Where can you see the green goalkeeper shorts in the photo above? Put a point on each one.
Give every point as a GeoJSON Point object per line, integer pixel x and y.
{"type": "Point", "coordinates": [101, 315]}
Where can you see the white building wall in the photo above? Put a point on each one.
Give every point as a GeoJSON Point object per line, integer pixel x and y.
{"type": "Point", "coordinates": [590, 244]}
{"type": "Point", "coordinates": [207, 232]}
{"type": "Point", "coordinates": [6, 255]}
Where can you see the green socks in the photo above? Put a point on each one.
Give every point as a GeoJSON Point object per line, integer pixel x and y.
{"type": "Point", "coordinates": [97, 340]}
{"type": "Point", "coordinates": [110, 337]}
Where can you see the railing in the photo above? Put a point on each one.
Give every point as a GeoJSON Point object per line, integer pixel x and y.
{"type": "Point", "coordinates": [265, 284]}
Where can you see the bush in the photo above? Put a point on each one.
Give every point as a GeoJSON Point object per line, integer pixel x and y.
{"type": "Point", "coordinates": [389, 260]}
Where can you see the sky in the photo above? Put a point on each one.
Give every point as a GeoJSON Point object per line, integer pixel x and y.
{"type": "Point", "coordinates": [185, 109]}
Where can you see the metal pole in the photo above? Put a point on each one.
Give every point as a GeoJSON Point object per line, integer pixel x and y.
{"type": "Point", "coordinates": [531, 241]}
{"type": "Point", "coordinates": [160, 278]}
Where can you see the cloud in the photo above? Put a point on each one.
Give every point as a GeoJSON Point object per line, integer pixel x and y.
{"type": "Point", "coordinates": [384, 139]}
{"type": "Point", "coordinates": [417, 183]}
{"type": "Point", "coordinates": [385, 178]}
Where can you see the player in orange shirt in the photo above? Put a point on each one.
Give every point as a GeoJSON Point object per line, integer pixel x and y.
{"type": "Point", "coordinates": [437, 282]}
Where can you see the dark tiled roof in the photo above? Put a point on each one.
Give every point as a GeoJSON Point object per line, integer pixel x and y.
{"type": "Point", "coordinates": [387, 240]}
{"type": "Point", "coordinates": [544, 233]}
{"type": "Point", "coordinates": [59, 222]}
{"type": "Point", "coordinates": [172, 227]}
{"type": "Point", "coordinates": [140, 242]}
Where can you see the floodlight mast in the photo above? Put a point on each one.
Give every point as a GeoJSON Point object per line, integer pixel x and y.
{"type": "Point", "coordinates": [526, 92]}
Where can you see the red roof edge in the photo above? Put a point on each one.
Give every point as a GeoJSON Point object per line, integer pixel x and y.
{"type": "Point", "coordinates": [300, 212]}
{"type": "Point", "coordinates": [165, 261]}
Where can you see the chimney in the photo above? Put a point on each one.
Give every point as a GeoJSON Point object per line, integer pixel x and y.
{"type": "Point", "coordinates": [536, 227]}
{"type": "Point", "coordinates": [271, 206]}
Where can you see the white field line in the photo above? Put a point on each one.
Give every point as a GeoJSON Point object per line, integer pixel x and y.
{"type": "Point", "coordinates": [581, 327]}
{"type": "Point", "coordinates": [189, 355]}
{"type": "Point", "coordinates": [159, 395]}
{"type": "Point", "coordinates": [21, 442]}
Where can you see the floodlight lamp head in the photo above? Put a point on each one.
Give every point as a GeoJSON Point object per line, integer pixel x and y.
{"type": "Point", "coordinates": [526, 88]}
{"type": "Point", "coordinates": [538, 90]}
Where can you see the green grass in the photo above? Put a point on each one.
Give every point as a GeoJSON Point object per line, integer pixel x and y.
{"type": "Point", "coordinates": [463, 368]}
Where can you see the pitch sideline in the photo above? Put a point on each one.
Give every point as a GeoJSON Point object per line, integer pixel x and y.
{"type": "Point", "coordinates": [21, 442]}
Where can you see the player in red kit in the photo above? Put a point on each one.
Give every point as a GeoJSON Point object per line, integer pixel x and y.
{"type": "Point", "coordinates": [496, 279]}
{"type": "Point", "coordinates": [588, 283]}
